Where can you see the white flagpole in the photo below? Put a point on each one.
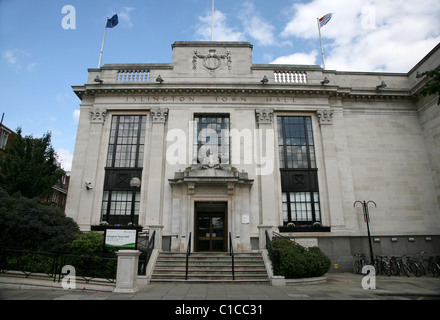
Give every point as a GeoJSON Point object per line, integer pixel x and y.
{"type": "Point", "coordinates": [320, 40]}
{"type": "Point", "coordinates": [212, 22]}
{"type": "Point", "coordinates": [102, 47]}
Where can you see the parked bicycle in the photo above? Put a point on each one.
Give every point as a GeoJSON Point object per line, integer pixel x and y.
{"type": "Point", "coordinates": [382, 265]}
{"type": "Point", "coordinates": [398, 265]}
{"type": "Point", "coordinates": [428, 266]}
{"type": "Point", "coordinates": [359, 263]}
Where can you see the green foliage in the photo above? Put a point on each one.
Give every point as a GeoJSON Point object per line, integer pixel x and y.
{"type": "Point", "coordinates": [91, 244]}
{"type": "Point", "coordinates": [299, 262]}
{"type": "Point", "coordinates": [30, 166]}
{"type": "Point", "coordinates": [433, 86]}
{"type": "Point", "coordinates": [88, 244]}
{"type": "Point", "coordinates": [28, 224]}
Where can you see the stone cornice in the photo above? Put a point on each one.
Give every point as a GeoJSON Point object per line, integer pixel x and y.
{"type": "Point", "coordinates": [243, 89]}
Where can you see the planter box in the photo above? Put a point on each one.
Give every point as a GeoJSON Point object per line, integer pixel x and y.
{"type": "Point", "coordinates": [304, 229]}
{"type": "Point", "coordinates": [103, 228]}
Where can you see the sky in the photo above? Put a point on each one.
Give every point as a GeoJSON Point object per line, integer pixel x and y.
{"type": "Point", "coordinates": [46, 46]}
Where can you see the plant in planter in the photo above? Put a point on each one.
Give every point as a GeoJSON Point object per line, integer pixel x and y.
{"type": "Point", "coordinates": [315, 227]}
{"type": "Point", "coordinates": [103, 225]}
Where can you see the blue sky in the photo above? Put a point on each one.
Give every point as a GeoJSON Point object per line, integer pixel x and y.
{"type": "Point", "coordinates": [40, 60]}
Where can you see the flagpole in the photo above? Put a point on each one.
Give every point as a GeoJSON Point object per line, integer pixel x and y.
{"type": "Point", "coordinates": [320, 40]}
{"type": "Point", "coordinates": [212, 22]}
{"type": "Point", "coordinates": [102, 47]}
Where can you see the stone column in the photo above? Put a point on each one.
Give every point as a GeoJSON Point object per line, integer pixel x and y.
{"type": "Point", "coordinates": [126, 275]}
{"type": "Point", "coordinates": [265, 146]}
{"type": "Point", "coordinates": [156, 171]}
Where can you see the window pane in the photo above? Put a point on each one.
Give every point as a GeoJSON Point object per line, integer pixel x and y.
{"type": "Point", "coordinates": [295, 141]}
{"type": "Point", "coordinates": [211, 136]}
{"type": "Point", "coordinates": [127, 134]}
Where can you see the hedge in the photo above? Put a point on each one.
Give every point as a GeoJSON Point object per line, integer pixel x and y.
{"type": "Point", "coordinates": [297, 261]}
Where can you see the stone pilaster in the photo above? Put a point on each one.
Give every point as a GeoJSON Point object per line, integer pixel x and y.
{"type": "Point", "coordinates": [267, 187]}
{"type": "Point", "coordinates": [156, 170]}
{"type": "Point", "coordinates": [89, 174]}
{"type": "Point", "coordinates": [332, 167]}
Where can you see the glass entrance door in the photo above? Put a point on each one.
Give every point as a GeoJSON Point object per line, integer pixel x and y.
{"type": "Point", "coordinates": [210, 226]}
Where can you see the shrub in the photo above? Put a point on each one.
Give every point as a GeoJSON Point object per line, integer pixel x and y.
{"type": "Point", "coordinates": [88, 244]}
{"type": "Point", "coordinates": [28, 224]}
{"type": "Point", "coordinates": [299, 262]}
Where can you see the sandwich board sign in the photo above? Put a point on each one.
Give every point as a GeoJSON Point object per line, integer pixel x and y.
{"type": "Point", "coordinates": [121, 238]}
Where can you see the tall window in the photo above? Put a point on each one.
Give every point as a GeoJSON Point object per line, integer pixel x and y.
{"type": "Point", "coordinates": [127, 138]}
{"type": "Point", "coordinates": [299, 179]}
{"type": "Point", "coordinates": [120, 203]}
{"type": "Point", "coordinates": [211, 139]}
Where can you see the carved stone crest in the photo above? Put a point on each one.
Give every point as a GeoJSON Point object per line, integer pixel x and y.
{"type": "Point", "coordinates": [212, 61]}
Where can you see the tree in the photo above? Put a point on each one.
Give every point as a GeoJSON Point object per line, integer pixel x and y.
{"type": "Point", "coordinates": [29, 166]}
{"type": "Point", "coordinates": [433, 86]}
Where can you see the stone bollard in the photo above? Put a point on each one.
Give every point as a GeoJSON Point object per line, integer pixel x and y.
{"type": "Point", "coordinates": [126, 275]}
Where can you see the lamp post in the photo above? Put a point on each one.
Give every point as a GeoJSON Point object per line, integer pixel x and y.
{"type": "Point", "coordinates": [367, 221]}
{"type": "Point", "coordinates": [135, 183]}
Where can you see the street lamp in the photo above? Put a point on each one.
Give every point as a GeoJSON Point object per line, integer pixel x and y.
{"type": "Point", "coordinates": [135, 183]}
{"type": "Point", "coordinates": [367, 221]}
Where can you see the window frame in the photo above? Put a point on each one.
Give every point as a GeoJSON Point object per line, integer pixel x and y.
{"type": "Point", "coordinates": [225, 149]}
{"type": "Point", "coordinates": [300, 179]}
{"type": "Point", "coordinates": [117, 177]}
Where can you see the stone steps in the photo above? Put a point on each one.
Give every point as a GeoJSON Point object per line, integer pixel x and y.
{"type": "Point", "coordinates": [210, 267]}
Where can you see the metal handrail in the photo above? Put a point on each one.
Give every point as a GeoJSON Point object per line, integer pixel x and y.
{"type": "Point", "coordinates": [273, 253]}
{"type": "Point", "coordinates": [188, 253]}
{"type": "Point", "coordinates": [231, 253]}
{"type": "Point", "coordinates": [144, 258]}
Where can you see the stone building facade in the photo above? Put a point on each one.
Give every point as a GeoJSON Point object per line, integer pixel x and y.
{"type": "Point", "coordinates": [212, 144]}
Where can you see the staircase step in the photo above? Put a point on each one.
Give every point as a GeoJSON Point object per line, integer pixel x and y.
{"type": "Point", "coordinates": [210, 267]}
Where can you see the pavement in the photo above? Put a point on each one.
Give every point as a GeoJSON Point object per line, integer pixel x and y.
{"type": "Point", "coordinates": [338, 286]}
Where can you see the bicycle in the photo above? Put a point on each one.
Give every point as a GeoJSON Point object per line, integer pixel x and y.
{"type": "Point", "coordinates": [414, 267]}
{"type": "Point", "coordinates": [428, 266]}
{"type": "Point", "coordinates": [398, 265]}
{"type": "Point", "coordinates": [359, 263]}
{"type": "Point", "coordinates": [382, 265]}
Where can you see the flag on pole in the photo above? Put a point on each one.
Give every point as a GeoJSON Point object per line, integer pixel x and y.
{"type": "Point", "coordinates": [112, 22]}
{"type": "Point", "coordinates": [325, 19]}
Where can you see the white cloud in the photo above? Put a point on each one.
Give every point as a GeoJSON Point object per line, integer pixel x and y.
{"type": "Point", "coordinates": [298, 58]}
{"type": "Point", "coordinates": [221, 31]}
{"type": "Point", "coordinates": [124, 16]}
{"type": "Point", "coordinates": [372, 35]}
{"type": "Point", "coordinates": [256, 26]}
{"type": "Point", "coordinates": [75, 115]}
{"type": "Point", "coordinates": [65, 157]}
{"type": "Point", "coordinates": [19, 60]}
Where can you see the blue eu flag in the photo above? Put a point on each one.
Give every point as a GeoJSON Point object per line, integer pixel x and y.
{"type": "Point", "coordinates": [112, 22]}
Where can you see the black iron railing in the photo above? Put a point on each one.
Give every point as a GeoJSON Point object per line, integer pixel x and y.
{"type": "Point", "coordinates": [188, 253]}
{"type": "Point", "coordinates": [145, 255]}
{"type": "Point", "coordinates": [50, 265]}
{"type": "Point", "coordinates": [231, 253]}
{"type": "Point", "coordinates": [274, 254]}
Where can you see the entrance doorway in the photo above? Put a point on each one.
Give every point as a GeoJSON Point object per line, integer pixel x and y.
{"type": "Point", "coordinates": [210, 226]}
